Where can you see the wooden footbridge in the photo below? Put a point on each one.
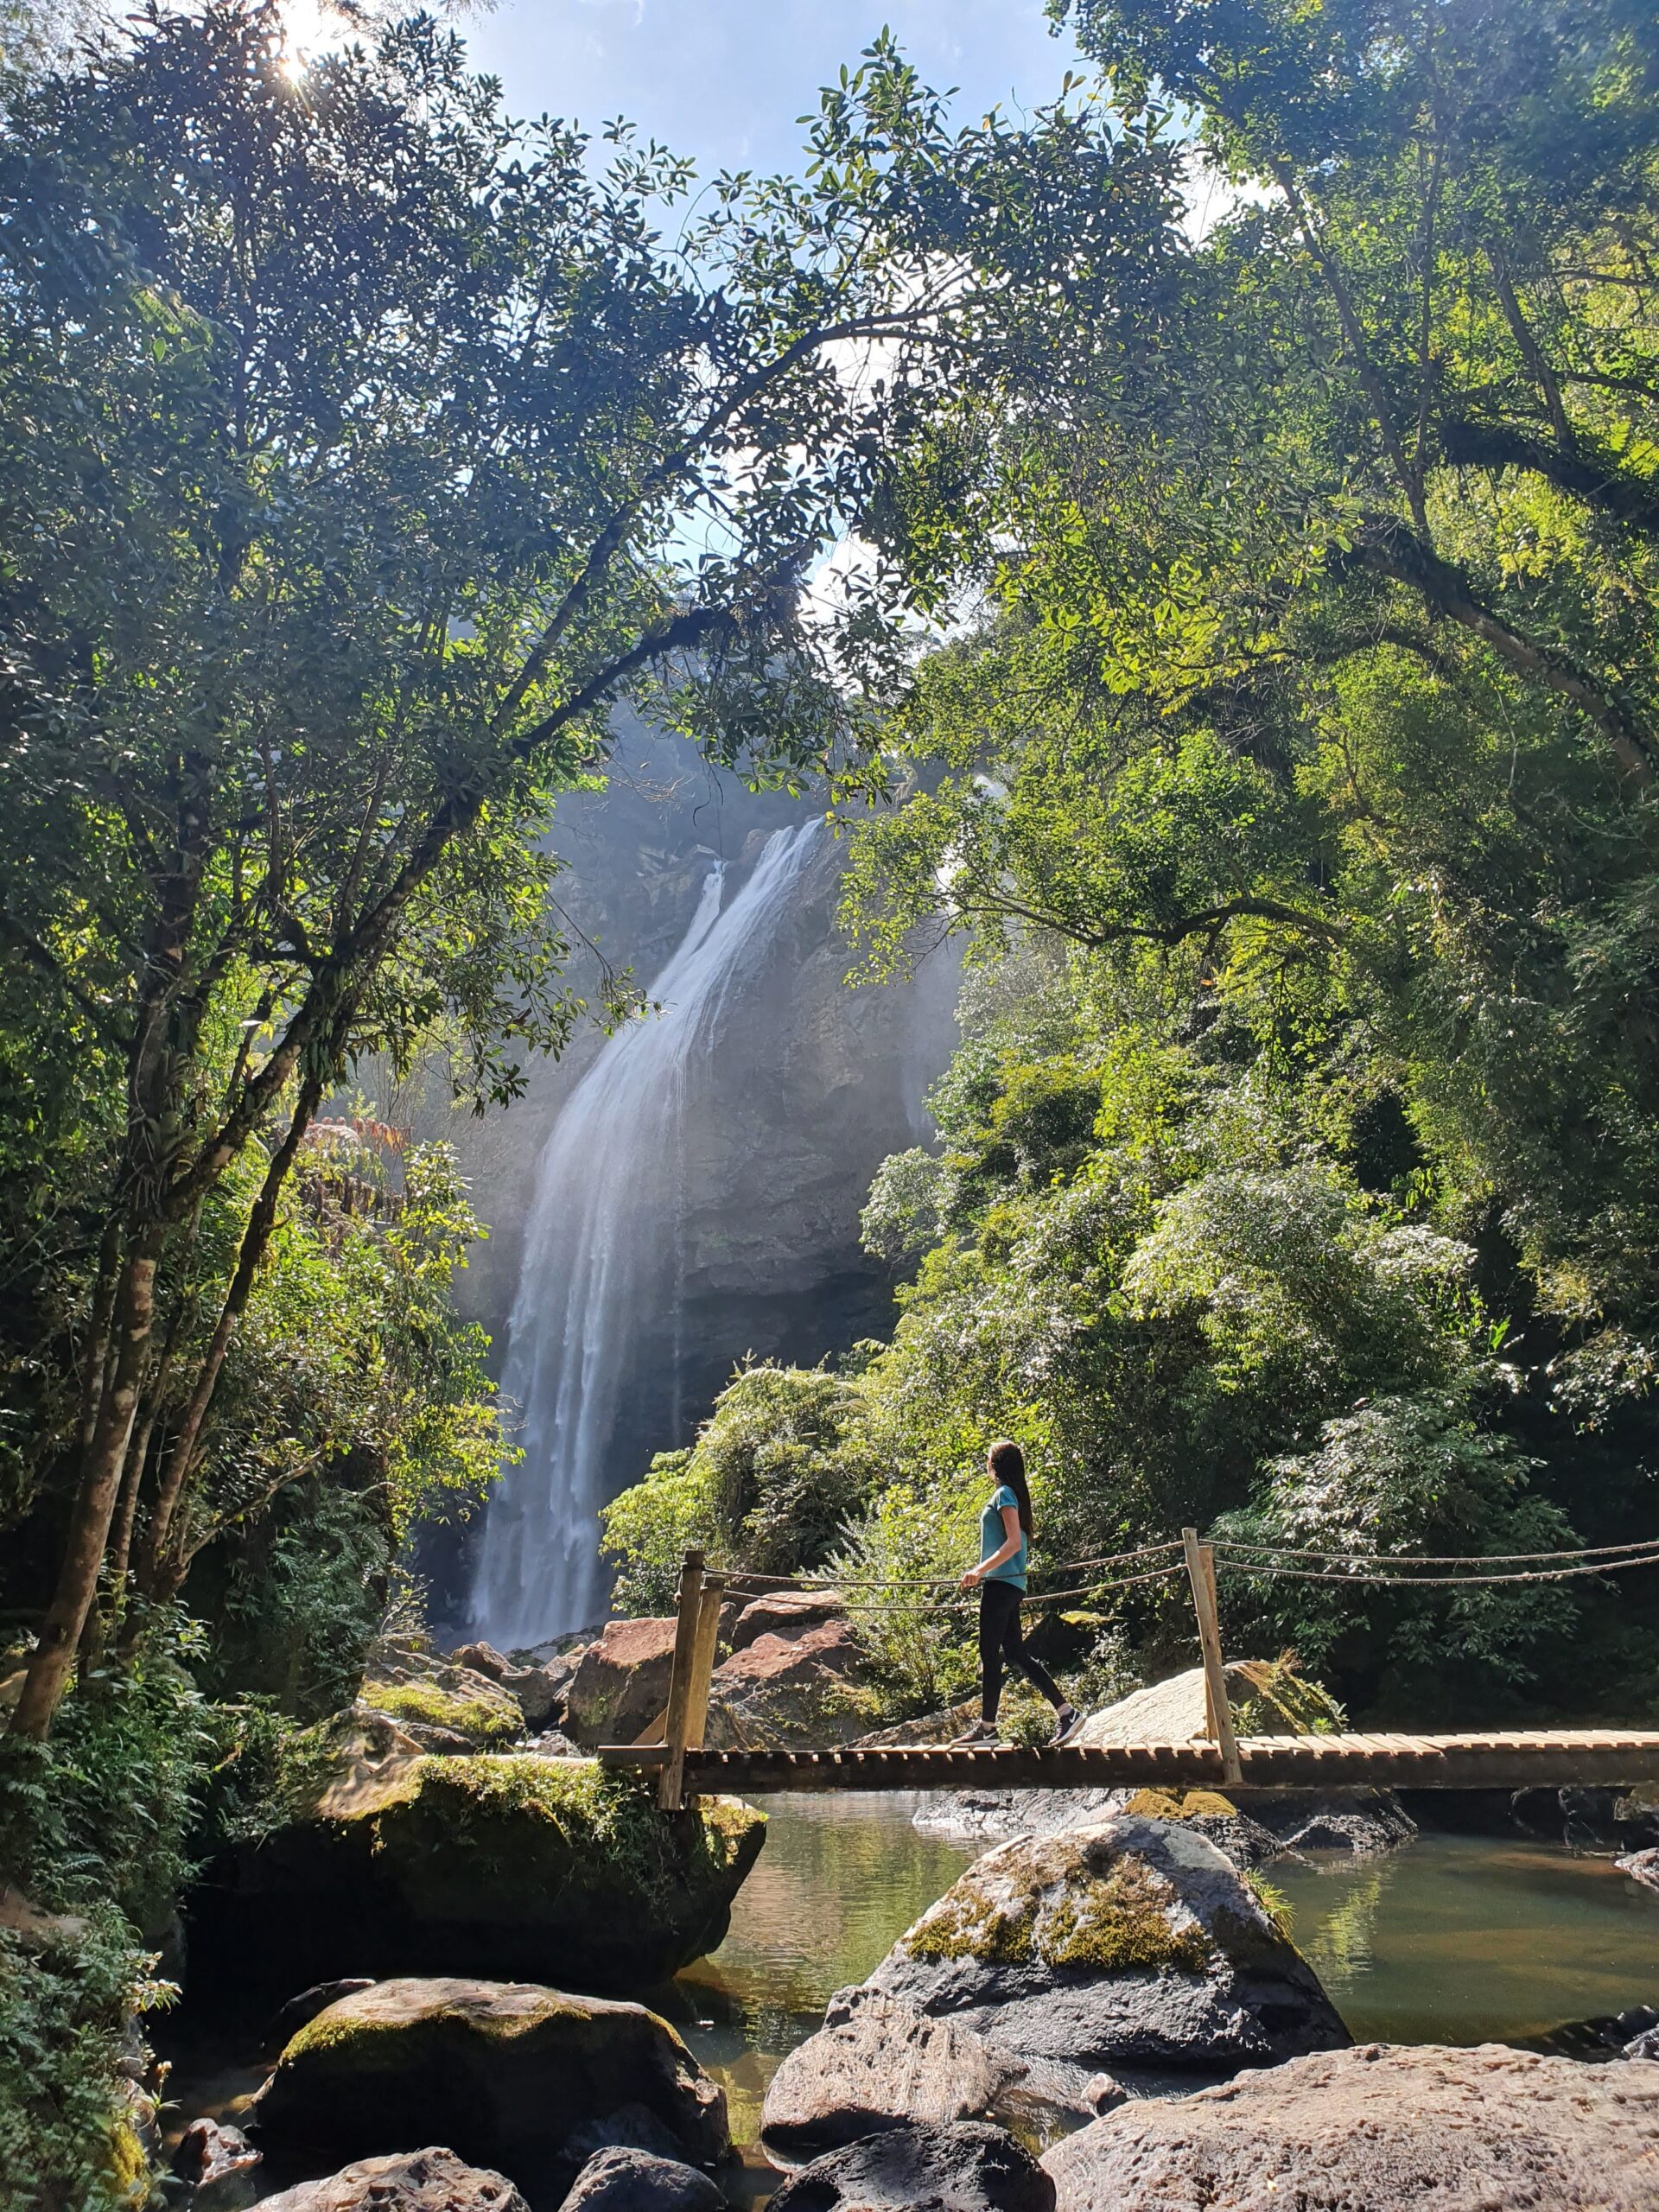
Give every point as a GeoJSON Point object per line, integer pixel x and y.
{"type": "Point", "coordinates": [685, 1767]}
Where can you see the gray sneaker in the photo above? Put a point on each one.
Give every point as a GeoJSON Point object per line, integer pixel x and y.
{"type": "Point", "coordinates": [1067, 1721]}
{"type": "Point", "coordinates": [980, 1735]}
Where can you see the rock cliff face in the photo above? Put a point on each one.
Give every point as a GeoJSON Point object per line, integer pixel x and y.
{"type": "Point", "coordinates": [807, 1086]}
{"type": "Point", "coordinates": [816, 1083]}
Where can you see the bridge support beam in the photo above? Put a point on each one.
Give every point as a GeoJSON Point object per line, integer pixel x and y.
{"type": "Point", "coordinates": [1201, 1573]}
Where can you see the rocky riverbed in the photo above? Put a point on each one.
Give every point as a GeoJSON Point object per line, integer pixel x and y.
{"type": "Point", "coordinates": [902, 2016]}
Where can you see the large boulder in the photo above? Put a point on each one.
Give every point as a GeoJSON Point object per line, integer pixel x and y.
{"type": "Point", "coordinates": [408, 2181]}
{"type": "Point", "coordinates": [875, 2063]}
{"type": "Point", "coordinates": [507, 1865]}
{"type": "Point", "coordinates": [795, 1690]}
{"type": "Point", "coordinates": [1383, 2128]}
{"type": "Point", "coordinates": [538, 1691]}
{"type": "Point", "coordinates": [785, 1613]}
{"type": "Point", "coordinates": [510, 2074]}
{"type": "Point", "coordinates": [1126, 1945]}
{"type": "Point", "coordinates": [967, 2167]}
{"type": "Point", "coordinates": [1268, 1699]}
{"type": "Point", "coordinates": [619, 1685]}
{"type": "Point", "coordinates": [623, 2180]}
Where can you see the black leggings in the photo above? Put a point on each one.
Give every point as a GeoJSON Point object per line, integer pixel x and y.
{"type": "Point", "coordinates": [999, 1639]}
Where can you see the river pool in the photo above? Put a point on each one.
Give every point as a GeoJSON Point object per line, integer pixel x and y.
{"type": "Point", "coordinates": [1452, 1939]}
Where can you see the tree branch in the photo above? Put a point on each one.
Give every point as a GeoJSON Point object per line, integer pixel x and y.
{"type": "Point", "coordinates": [1393, 552]}
{"type": "Point", "coordinates": [1588, 476]}
{"type": "Point", "coordinates": [46, 963]}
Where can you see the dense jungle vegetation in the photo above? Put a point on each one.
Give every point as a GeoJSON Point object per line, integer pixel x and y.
{"type": "Point", "coordinates": [1270, 433]}
{"type": "Point", "coordinates": [1293, 790]}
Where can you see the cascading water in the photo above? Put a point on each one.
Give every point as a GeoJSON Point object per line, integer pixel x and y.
{"type": "Point", "coordinates": [603, 1258]}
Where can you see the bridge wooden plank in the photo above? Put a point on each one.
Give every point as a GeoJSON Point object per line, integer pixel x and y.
{"type": "Point", "coordinates": [1504, 1759]}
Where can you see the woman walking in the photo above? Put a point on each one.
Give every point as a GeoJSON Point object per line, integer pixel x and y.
{"type": "Point", "coordinates": [1004, 1547]}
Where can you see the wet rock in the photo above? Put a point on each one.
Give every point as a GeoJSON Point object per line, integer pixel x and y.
{"type": "Point", "coordinates": [1127, 1944]}
{"type": "Point", "coordinates": [406, 2181]}
{"type": "Point", "coordinates": [1103, 2093]}
{"type": "Point", "coordinates": [996, 1815]}
{"type": "Point", "coordinates": [621, 2180]}
{"type": "Point", "coordinates": [620, 1684]}
{"type": "Point", "coordinates": [785, 1613]}
{"type": "Point", "coordinates": [510, 2074]}
{"type": "Point", "coordinates": [1636, 1818]}
{"type": "Point", "coordinates": [1608, 2035]}
{"type": "Point", "coordinates": [538, 1691]}
{"type": "Point", "coordinates": [304, 2008]}
{"type": "Point", "coordinates": [509, 1865]}
{"type": "Point", "coordinates": [875, 2063]}
{"type": "Point", "coordinates": [967, 2167]}
{"type": "Point", "coordinates": [792, 1690]}
{"type": "Point", "coordinates": [1646, 2045]}
{"type": "Point", "coordinates": [1641, 1866]}
{"type": "Point", "coordinates": [1388, 2128]}
{"type": "Point", "coordinates": [1365, 1823]}
{"type": "Point", "coordinates": [220, 2165]}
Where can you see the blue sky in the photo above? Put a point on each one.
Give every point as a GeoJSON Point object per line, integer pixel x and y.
{"type": "Point", "coordinates": [724, 80]}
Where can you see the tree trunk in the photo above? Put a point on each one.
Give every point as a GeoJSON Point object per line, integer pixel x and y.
{"type": "Point", "coordinates": [149, 1571]}
{"type": "Point", "coordinates": [100, 1480]}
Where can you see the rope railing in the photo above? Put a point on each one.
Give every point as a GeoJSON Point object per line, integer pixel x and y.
{"type": "Point", "coordinates": [1646, 1545]}
{"type": "Point", "coordinates": [891, 1594]}
{"type": "Point", "coordinates": [885, 1597]}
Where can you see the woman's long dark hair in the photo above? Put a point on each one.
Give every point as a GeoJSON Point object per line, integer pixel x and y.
{"type": "Point", "coordinates": [1008, 1464]}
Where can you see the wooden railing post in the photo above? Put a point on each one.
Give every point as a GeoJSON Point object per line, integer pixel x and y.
{"type": "Point", "coordinates": [703, 1659]}
{"type": "Point", "coordinates": [670, 1784]}
{"type": "Point", "coordinates": [1218, 1712]}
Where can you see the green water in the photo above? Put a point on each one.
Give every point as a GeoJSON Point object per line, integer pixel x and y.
{"type": "Point", "coordinates": [840, 1879]}
{"type": "Point", "coordinates": [1453, 1939]}
{"type": "Point", "coordinates": [1473, 1939]}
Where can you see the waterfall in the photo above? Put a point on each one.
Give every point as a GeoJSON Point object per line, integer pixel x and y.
{"type": "Point", "coordinates": [601, 1282]}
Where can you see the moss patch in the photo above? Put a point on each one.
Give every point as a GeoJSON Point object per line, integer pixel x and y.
{"type": "Point", "coordinates": [482, 1719]}
{"type": "Point", "coordinates": [1120, 1921]}
{"type": "Point", "coordinates": [997, 1932]}
{"type": "Point", "coordinates": [1182, 1805]}
{"type": "Point", "coordinates": [1273, 1699]}
{"type": "Point", "coordinates": [1058, 1909]}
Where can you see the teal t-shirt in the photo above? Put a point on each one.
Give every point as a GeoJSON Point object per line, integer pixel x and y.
{"type": "Point", "coordinates": [991, 1537]}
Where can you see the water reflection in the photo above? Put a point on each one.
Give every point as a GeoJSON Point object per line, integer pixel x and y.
{"type": "Point", "coordinates": [1470, 1939]}
{"type": "Point", "coordinates": [840, 1879]}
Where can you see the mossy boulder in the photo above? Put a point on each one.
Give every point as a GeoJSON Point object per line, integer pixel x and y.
{"type": "Point", "coordinates": [508, 2074]}
{"type": "Point", "coordinates": [542, 1861]}
{"type": "Point", "coordinates": [496, 1864]}
{"type": "Point", "coordinates": [1128, 1944]}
